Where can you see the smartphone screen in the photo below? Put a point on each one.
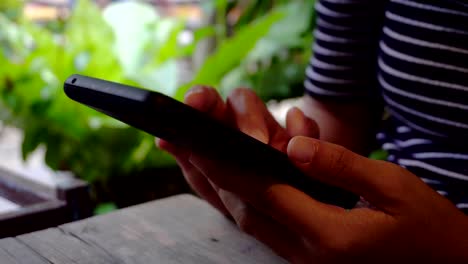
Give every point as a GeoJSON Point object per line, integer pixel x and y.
{"type": "Point", "coordinates": [182, 125]}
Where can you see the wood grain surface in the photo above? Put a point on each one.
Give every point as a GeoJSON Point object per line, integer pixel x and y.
{"type": "Point", "coordinates": [179, 229]}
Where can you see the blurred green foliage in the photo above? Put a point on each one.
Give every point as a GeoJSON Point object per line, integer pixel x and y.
{"type": "Point", "coordinates": [268, 52]}
{"type": "Point", "coordinates": [379, 154]}
{"type": "Point", "coordinates": [35, 61]}
{"type": "Point", "coordinates": [267, 49]}
{"type": "Point", "coordinates": [11, 8]}
{"type": "Point", "coordinates": [104, 208]}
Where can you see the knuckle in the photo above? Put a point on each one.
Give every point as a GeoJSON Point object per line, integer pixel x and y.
{"type": "Point", "coordinates": [341, 162]}
{"type": "Point", "coordinates": [397, 180]}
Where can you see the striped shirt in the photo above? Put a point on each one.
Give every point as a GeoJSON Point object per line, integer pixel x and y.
{"type": "Point", "coordinates": [413, 55]}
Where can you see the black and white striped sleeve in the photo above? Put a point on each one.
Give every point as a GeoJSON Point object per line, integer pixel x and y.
{"type": "Point", "coordinates": [344, 64]}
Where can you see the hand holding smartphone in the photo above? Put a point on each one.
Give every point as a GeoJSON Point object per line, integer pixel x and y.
{"type": "Point", "coordinates": [181, 125]}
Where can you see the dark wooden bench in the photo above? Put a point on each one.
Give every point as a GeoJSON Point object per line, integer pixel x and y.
{"type": "Point", "coordinates": [40, 205]}
{"type": "Point", "coordinates": [179, 229]}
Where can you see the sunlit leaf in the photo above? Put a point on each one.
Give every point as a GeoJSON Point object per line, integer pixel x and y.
{"type": "Point", "coordinates": [104, 208]}
{"type": "Point", "coordinates": [230, 53]}
{"type": "Point", "coordinates": [129, 22]}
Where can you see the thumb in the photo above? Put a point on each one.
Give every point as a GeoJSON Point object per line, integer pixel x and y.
{"type": "Point", "coordinates": [381, 183]}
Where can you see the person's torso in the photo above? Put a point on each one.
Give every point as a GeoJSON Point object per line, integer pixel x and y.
{"type": "Point", "coordinates": [423, 76]}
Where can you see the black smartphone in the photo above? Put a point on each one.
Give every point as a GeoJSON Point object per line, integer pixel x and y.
{"type": "Point", "coordinates": [182, 125]}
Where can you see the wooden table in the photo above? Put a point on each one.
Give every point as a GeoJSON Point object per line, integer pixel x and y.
{"type": "Point", "coordinates": [179, 229]}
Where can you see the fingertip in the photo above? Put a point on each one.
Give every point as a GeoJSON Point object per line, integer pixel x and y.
{"type": "Point", "coordinates": [243, 99]}
{"type": "Point", "coordinates": [302, 149]}
{"type": "Point", "coordinates": [242, 92]}
{"type": "Point", "coordinates": [293, 115]}
{"type": "Point", "coordinates": [295, 111]}
{"type": "Point", "coordinates": [161, 143]}
{"type": "Point", "coordinates": [249, 114]}
{"type": "Point", "coordinates": [197, 89]}
{"type": "Point", "coordinates": [202, 98]}
{"type": "Point", "coordinates": [298, 124]}
{"type": "Point", "coordinates": [170, 148]}
{"type": "Point", "coordinates": [303, 140]}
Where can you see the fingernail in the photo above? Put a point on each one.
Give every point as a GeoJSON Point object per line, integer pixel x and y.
{"type": "Point", "coordinates": [302, 149]}
{"type": "Point", "coordinates": [292, 114]}
{"type": "Point", "coordinates": [194, 90]}
{"type": "Point", "coordinates": [294, 111]}
{"type": "Point", "coordinates": [242, 100]}
{"type": "Point", "coordinates": [201, 98]}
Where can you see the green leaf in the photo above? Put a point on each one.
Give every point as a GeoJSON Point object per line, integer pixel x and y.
{"type": "Point", "coordinates": [169, 48]}
{"type": "Point", "coordinates": [31, 139]}
{"type": "Point", "coordinates": [142, 150]}
{"type": "Point", "coordinates": [230, 53]}
{"type": "Point", "coordinates": [36, 60]}
{"type": "Point", "coordinates": [198, 35]}
{"type": "Point", "coordinates": [238, 77]}
{"type": "Point", "coordinates": [104, 208]}
{"type": "Point", "coordinates": [379, 154]}
{"type": "Point", "coordinates": [285, 33]}
{"type": "Point", "coordinates": [130, 22]}
{"type": "Point", "coordinates": [162, 79]}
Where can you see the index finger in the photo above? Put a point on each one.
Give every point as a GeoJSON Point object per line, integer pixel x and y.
{"type": "Point", "coordinates": [285, 204]}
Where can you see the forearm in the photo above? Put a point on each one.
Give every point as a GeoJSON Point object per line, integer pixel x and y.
{"type": "Point", "coordinates": [351, 125]}
{"type": "Point", "coordinates": [343, 71]}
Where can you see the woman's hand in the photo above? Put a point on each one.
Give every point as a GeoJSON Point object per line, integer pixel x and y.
{"type": "Point", "coordinates": [411, 222]}
{"type": "Point", "coordinates": [245, 111]}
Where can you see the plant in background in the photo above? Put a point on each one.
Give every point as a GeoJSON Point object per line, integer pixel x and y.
{"type": "Point", "coordinates": [11, 8]}
{"type": "Point", "coordinates": [35, 61]}
{"type": "Point", "coordinates": [266, 48]}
